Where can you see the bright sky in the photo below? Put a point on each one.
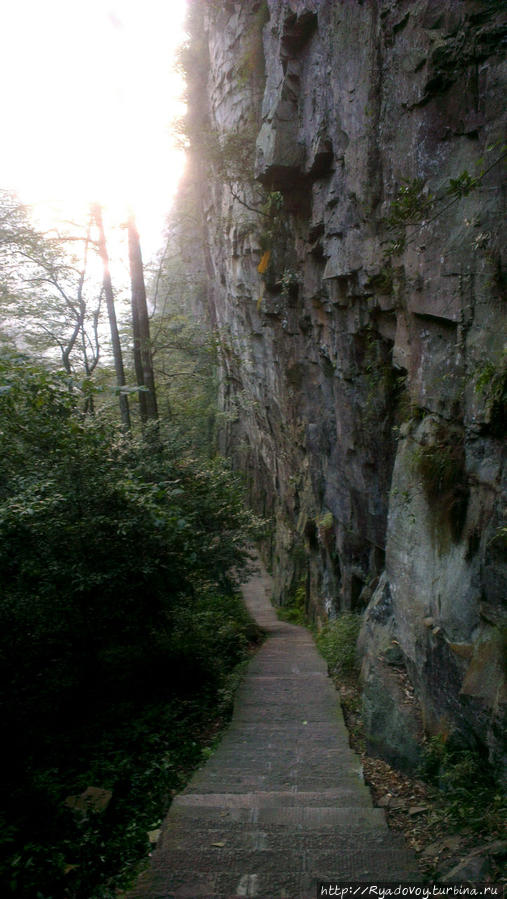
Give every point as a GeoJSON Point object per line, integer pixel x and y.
{"type": "Point", "coordinates": [89, 96]}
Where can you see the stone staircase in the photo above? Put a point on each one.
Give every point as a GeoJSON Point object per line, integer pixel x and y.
{"type": "Point", "coordinates": [281, 805]}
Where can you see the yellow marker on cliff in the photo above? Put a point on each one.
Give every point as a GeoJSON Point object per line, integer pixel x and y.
{"type": "Point", "coordinates": [261, 268]}
{"type": "Point", "coordinates": [263, 264]}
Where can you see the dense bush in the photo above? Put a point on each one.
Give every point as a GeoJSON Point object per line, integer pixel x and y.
{"type": "Point", "coordinates": [337, 642]}
{"type": "Point", "coordinates": [294, 611]}
{"type": "Point", "coordinates": [467, 784]}
{"type": "Point", "coordinates": [116, 597]}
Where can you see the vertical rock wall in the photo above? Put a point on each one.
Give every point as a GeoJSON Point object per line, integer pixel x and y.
{"type": "Point", "coordinates": [357, 294]}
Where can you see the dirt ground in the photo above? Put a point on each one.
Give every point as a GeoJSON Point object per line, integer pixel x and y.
{"type": "Point", "coordinates": [418, 810]}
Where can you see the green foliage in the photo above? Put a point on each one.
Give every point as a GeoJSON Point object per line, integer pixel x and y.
{"type": "Point", "coordinates": [410, 203]}
{"type": "Point", "coordinates": [48, 289]}
{"type": "Point", "coordinates": [382, 387]}
{"type": "Point", "coordinates": [280, 276]}
{"type": "Point", "coordinates": [325, 522]}
{"type": "Point", "coordinates": [500, 539]}
{"type": "Point", "coordinates": [289, 283]}
{"type": "Point", "coordinates": [409, 207]}
{"type": "Point", "coordinates": [462, 185]}
{"type": "Point", "coordinates": [441, 466]}
{"type": "Point", "coordinates": [187, 378]}
{"type": "Point", "coordinates": [491, 384]}
{"type": "Point", "coordinates": [142, 753]}
{"type": "Point", "coordinates": [486, 377]}
{"type": "Point", "coordinates": [272, 210]}
{"type": "Point", "coordinates": [117, 602]}
{"type": "Point", "coordinates": [231, 155]}
{"type": "Point", "coordinates": [185, 352]}
{"type": "Point", "coordinates": [294, 611]}
{"type": "Point", "coordinates": [382, 282]}
{"type": "Point", "coordinates": [471, 797]}
{"type": "Point", "coordinates": [337, 642]}
{"type": "Point", "coordinates": [87, 516]}
{"type": "Point", "coordinates": [414, 205]}
{"type": "Point", "coordinates": [326, 530]}
{"type": "Point", "coordinates": [192, 58]}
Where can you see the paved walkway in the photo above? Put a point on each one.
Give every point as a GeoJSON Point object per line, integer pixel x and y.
{"type": "Point", "coordinates": [281, 805]}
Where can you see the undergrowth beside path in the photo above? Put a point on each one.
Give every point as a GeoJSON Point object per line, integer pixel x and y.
{"type": "Point", "coordinates": [120, 627]}
{"type": "Point", "coordinates": [83, 816]}
{"type": "Point", "coordinates": [451, 811]}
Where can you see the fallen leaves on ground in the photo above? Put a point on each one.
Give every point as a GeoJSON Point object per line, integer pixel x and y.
{"type": "Point", "coordinates": [412, 807]}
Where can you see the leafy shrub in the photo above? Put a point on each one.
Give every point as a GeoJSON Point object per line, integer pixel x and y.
{"type": "Point", "coordinates": [120, 624]}
{"type": "Point", "coordinates": [295, 609]}
{"type": "Point", "coordinates": [471, 796]}
{"type": "Point", "coordinates": [410, 204]}
{"type": "Point", "coordinates": [337, 643]}
{"type": "Point", "coordinates": [491, 383]}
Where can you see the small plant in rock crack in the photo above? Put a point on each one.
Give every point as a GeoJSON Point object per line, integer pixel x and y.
{"type": "Point", "coordinates": [289, 283]}
{"type": "Point", "coordinates": [383, 281]}
{"type": "Point", "coordinates": [462, 185]}
{"type": "Point", "coordinates": [294, 611]}
{"type": "Point", "coordinates": [410, 204]}
{"type": "Point", "coordinates": [491, 384]}
{"type": "Point", "coordinates": [415, 205]}
{"type": "Point", "coordinates": [272, 211]}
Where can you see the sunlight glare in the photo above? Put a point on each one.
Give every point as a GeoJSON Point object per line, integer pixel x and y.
{"type": "Point", "coordinates": [92, 93]}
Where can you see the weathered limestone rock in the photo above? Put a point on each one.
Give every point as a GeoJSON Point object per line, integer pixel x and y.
{"type": "Point", "coordinates": [390, 711]}
{"type": "Point", "coordinates": [360, 385]}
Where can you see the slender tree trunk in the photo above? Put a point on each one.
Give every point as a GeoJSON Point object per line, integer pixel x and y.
{"type": "Point", "coordinates": [115, 337]}
{"type": "Point", "coordinates": [138, 364]}
{"type": "Point", "coordinates": [141, 327]}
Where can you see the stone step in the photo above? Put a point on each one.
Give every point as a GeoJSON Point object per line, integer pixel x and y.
{"type": "Point", "coordinates": [355, 796]}
{"type": "Point", "coordinates": [281, 805]}
{"type": "Point", "coordinates": [295, 772]}
{"type": "Point", "coordinates": [294, 728]}
{"type": "Point", "coordinates": [337, 863]}
{"type": "Point", "coordinates": [266, 875]}
{"type": "Point", "coordinates": [317, 712]}
{"type": "Point", "coordinates": [314, 818]}
{"type": "Point", "coordinates": [234, 836]}
{"type": "Point", "coordinates": [310, 757]}
{"type": "Point", "coordinates": [249, 781]}
{"type": "Point", "coordinates": [281, 754]}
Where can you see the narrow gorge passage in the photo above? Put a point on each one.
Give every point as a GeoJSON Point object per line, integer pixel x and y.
{"type": "Point", "coordinates": [281, 804]}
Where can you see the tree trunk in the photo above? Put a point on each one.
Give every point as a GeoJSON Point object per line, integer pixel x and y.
{"type": "Point", "coordinates": [141, 328]}
{"type": "Point", "coordinates": [115, 337]}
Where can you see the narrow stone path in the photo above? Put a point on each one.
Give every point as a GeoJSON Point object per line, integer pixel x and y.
{"type": "Point", "coordinates": [281, 805]}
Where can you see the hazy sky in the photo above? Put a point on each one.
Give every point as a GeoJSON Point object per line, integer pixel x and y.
{"type": "Point", "coordinates": [87, 102]}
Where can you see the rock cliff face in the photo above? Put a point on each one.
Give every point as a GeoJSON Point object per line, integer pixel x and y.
{"type": "Point", "coordinates": [345, 156]}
